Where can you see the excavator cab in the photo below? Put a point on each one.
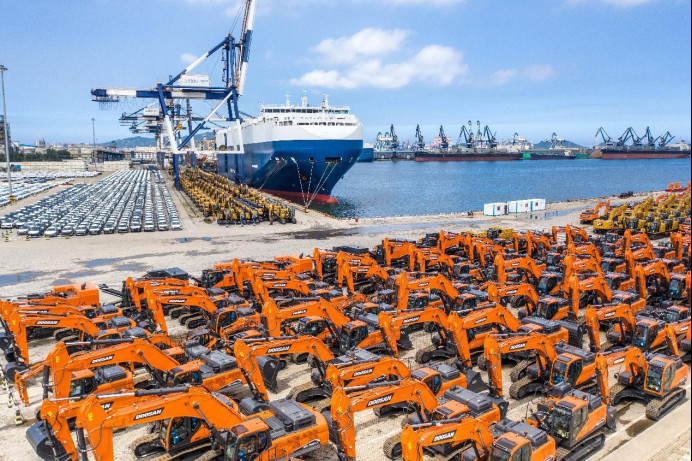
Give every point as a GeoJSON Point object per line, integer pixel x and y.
{"type": "Point", "coordinates": [102, 379]}
{"type": "Point", "coordinates": [566, 369]}
{"type": "Point", "coordinates": [676, 314]}
{"type": "Point", "coordinates": [549, 283]}
{"type": "Point", "coordinates": [311, 326]}
{"type": "Point", "coordinates": [352, 334]}
{"type": "Point", "coordinates": [551, 307]}
{"type": "Point", "coordinates": [616, 279]}
{"type": "Point", "coordinates": [246, 441]}
{"type": "Point", "coordinates": [645, 333]}
{"type": "Point", "coordinates": [175, 435]}
{"type": "Point", "coordinates": [429, 377]}
{"type": "Point", "coordinates": [677, 287]}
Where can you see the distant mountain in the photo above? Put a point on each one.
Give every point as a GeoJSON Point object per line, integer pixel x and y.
{"type": "Point", "coordinates": [134, 141]}
{"type": "Point", "coordinates": [546, 144]}
{"type": "Point", "coordinates": [140, 141]}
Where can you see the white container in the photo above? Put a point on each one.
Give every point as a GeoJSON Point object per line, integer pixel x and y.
{"type": "Point", "coordinates": [519, 206]}
{"type": "Point", "coordinates": [495, 209]}
{"type": "Point", "coordinates": [537, 204]}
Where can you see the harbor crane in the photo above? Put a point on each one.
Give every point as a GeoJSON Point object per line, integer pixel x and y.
{"type": "Point", "coordinates": [420, 143]}
{"type": "Point", "coordinates": [628, 135]}
{"type": "Point", "coordinates": [490, 137]}
{"type": "Point", "coordinates": [186, 86]}
{"type": "Point", "coordinates": [664, 139]}
{"type": "Point", "coordinates": [444, 144]}
{"type": "Point", "coordinates": [650, 140]}
{"type": "Point", "coordinates": [465, 136]}
{"type": "Point", "coordinates": [607, 140]}
{"type": "Point", "coordinates": [395, 139]}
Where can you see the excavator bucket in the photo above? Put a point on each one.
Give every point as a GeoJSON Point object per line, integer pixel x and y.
{"type": "Point", "coordinates": [44, 443]}
{"type": "Point", "coordinates": [269, 367]}
{"type": "Point", "coordinates": [474, 381]}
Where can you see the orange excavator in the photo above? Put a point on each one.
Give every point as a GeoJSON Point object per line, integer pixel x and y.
{"type": "Point", "coordinates": [266, 289]}
{"type": "Point", "coordinates": [346, 401]}
{"type": "Point", "coordinates": [96, 328]}
{"type": "Point", "coordinates": [368, 278]}
{"type": "Point", "coordinates": [516, 295]}
{"type": "Point", "coordinates": [320, 310]}
{"type": "Point", "coordinates": [214, 312]}
{"type": "Point", "coordinates": [51, 436]}
{"type": "Point", "coordinates": [592, 290]}
{"type": "Point", "coordinates": [194, 420]}
{"type": "Point", "coordinates": [555, 363]}
{"type": "Point", "coordinates": [464, 335]}
{"type": "Point", "coordinates": [398, 253]}
{"type": "Point", "coordinates": [590, 214]}
{"type": "Point", "coordinates": [621, 331]}
{"type": "Point", "coordinates": [654, 379]}
{"type": "Point", "coordinates": [257, 358]}
{"type": "Point", "coordinates": [439, 436]}
{"type": "Point", "coordinates": [576, 420]}
{"type": "Point", "coordinates": [452, 298]}
{"type": "Point", "coordinates": [525, 266]}
{"type": "Point", "coordinates": [651, 334]}
{"type": "Point", "coordinates": [503, 441]}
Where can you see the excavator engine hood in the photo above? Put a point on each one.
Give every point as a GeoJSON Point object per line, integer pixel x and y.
{"type": "Point", "coordinates": [43, 442]}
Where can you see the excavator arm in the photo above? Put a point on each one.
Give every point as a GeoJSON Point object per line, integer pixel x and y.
{"type": "Point", "coordinates": [349, 400]}
{"type": "Point", "coordinates": [247, 352]}
{"type": "Point", "coordinates": [94, 422]}
{"type": "Point", "coordinates": [392, 323]}
{"type": "Point", "coordinates": [416, 437]}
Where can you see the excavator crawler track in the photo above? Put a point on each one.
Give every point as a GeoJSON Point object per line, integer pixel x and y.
{"type": "Point", "coordinates": [176, 312]}
{"type": "Point", "coordinates": [422, 355]}
{"type": "Point", "coordinates": [142, 440]}
{"type": "Point", "coordinates": [392, 447]}
{"type": "Point", "coordinates": [519, 370]}
{"type": "Point", "coordinates": [659, 407]}
{"type": "Point", "coordinates": [583, 450]}
{"type": "Point", "coordinates": [522, 387]}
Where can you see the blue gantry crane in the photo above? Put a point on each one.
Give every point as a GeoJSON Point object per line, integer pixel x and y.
{"type": "Point", "coordinates": [186, 86]}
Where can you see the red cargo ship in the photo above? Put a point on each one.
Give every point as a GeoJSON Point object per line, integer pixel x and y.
{"type": "Point", "coordinates": [620, 154]}
{"type": "Point", "coordinates": [490, 156]}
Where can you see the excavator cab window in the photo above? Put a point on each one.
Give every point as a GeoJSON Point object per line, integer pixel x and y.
{"type": "Point", "coordinates": [676, 288]}
{"type": "Point", "coordinates": [313, 328]}
{"type": "Point", "coordinates": [562, 423]}
{"type": "Point", "coordinates": [546, 284]}
{"type": "Point", "coordinates": [247, 447]}
{"type": "Point", "coordinates": [644, 335]}
{"type": "Point", "coordinates": [547, 310]}
{"type": "Point", "coordinates": [559, 372]}
{"type": "Point", "coordinates": [82, 387]}
{"type": "Point", "coordinates": [655, 378]}
{"type": "Point", "coordinates": [211, 278]}
{"type": "Point", "coordinates": [225, 319]}
{"type": "Point", "coordinates": [523, 453]}
{"type": "Point", "coordinates": [434, 382]}
{"type": "Point", "coordinates": [180, 430]}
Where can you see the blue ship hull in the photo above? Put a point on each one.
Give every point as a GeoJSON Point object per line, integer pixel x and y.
{"type": "Point", "coordinates": [304, 171]}
{"type": "Point", "coordinates": [368, 155]}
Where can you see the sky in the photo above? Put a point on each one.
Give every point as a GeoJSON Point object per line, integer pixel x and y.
{"type": "Point", "coordinates": [534, 67]}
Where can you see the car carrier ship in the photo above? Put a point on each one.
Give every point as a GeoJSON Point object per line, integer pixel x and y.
{"type": "Point", "coordinates": [295, 152]}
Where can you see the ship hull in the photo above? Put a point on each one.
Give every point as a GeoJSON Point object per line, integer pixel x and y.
{"type": "Point", "coordinates": [472, 157]}
{"type": "Point", "coordinates": [368, 155]}
{"type": "Point", "coordinates": [551, 157]}
{"type": "Point", "coordinates": [607, 154]}
{"type": "Point", "coordinates": [304, 171]}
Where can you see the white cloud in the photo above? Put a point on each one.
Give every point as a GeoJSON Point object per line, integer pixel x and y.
{"type": "Point", "coordinates": [535, 73]}
{"type": "Point", "coordinates": [616, 3]}
{"type": "Point", "coordinates": [433, 65]}
{"type": "Point", "coordinates": [368, 42]}
{"type": "Point", "coordinates": [188, 58]}
{"type": "Point", "coordinates": [503, 77]}
{"type": "Point", "coordinates": [539, 73]}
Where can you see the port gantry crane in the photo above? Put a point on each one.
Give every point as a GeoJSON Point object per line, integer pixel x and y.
{"type": "Point", "coordinates": [444, 144]}
{"type": "Point", "coordinates": [420, 143]}
{"type": "Point", "coordinates": [235, 54]}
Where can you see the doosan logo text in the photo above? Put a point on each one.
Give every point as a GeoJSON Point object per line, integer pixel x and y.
{"type": "Point", "coordinates": [380, 401]}
{"type": "Point", "coordinates": [274, 350]}
{"type": "Point", "coordinates": [148, 414]}
{"type": "Point", "coordinates": [445, 436]}
{"type": "Point", "coordinates": [363, 372]}
{"type": "Point", "coordinates": [47, 322]}
{"type": "Point", "coordinates": [517, 346]}
{"type": "Point", "coordinates": [102, 359]}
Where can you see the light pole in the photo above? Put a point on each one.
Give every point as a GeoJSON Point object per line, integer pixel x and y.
{"type": "Point", "coordinates": [6, 137]}
{"type": "Point", "coordinates": [93, 131]}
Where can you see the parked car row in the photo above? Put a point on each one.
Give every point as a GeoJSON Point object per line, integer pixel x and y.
{"type": "Point", "coordinates": [26, 188]}
{"type": "Point", "coordinates": [126, 201]}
